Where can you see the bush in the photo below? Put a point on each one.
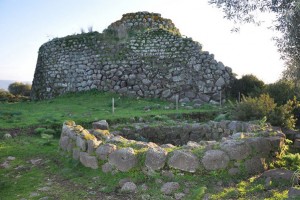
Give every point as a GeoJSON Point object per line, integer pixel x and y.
{"type": "Point", "coordinates": [248, 85]}
{"type": "Point", "coordinates": [281, 91]}
{"type": "Point", "coordinates": [253, 108]}
{"type": "Point", "coordinates": [283, 115]}
{"type": "Point", "coordinates": [264, 106]}
{"type": "Point", "coordinates": [5, 95]}
{"type": "Point", "coordinates": [18, 88]}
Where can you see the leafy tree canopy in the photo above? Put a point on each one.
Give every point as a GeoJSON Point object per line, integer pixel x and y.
{"type": "Point", "coordinates": [287, 22]}
{"type": "Point", "coordinates": [18, 88]}
{"type": "Point", "coordinates": [248, 85]}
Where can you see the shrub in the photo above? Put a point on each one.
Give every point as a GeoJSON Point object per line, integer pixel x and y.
{"type": "Point", "coordinates": [254, 108]}
{"type": "Point", "coordinates": [264, 106]}
{"type": "Point", "coordinates": [283, 115]}
{"type": "Point", "coordinates": [281, 91]}
{"type": "Point", "coordinates": [18, 88]}
{"type": "Point", "coordinates": [248, 85]}
{"type": "Point", "coordinates": [6, 96]}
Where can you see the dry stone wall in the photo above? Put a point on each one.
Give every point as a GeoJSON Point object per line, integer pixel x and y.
{"type": "Point", "coordinates": [141, 55]}
{"type": "Point", "coordinates": [238, 153]}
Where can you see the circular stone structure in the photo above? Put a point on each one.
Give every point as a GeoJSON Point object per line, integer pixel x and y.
{"type": "Point", "coordinates": [142, 54]}
{"type": "Point", "coordinates": [194, 156]}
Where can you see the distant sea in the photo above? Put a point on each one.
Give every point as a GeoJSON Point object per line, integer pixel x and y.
{"type": "Point", "coordinates": [5, 83]}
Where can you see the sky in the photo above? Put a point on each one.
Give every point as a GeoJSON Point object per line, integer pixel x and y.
{"type": "Point", "coordinates": [26, 25]}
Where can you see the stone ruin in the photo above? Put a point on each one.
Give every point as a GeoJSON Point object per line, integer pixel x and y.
{"type": "Point", "coordinates": [237, 147]}
{"type": "Point", "coordinates": [142, 55]}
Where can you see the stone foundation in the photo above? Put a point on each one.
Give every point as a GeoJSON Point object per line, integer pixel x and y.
{"type": "Point", "coordinates": [247, 152]}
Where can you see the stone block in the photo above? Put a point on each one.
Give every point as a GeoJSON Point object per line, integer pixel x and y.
{"type": "Point", "coordinates": [156, 158]}
{"type": "Point", "coordinates": [103, 151]}
{"type": "Point", "coordinates": [237, 150]}
{"type": "Point", "coordinates": [88, 161]}
{"type": "Point", "coordinates": [215, 159]}
{"type": "Point", "coordinates": [123, 159]}
{"type": "Point", "coordinates": [184, 160]}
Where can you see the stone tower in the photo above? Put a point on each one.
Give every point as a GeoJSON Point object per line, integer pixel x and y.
{"type": "Point", "coordinates": [141, 54]}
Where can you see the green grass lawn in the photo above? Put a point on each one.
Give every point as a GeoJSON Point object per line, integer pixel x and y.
{"type": "Point", "coordinates": [85, 108]}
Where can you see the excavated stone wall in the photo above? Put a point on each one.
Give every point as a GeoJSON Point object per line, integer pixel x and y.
{"type": "Point", "coordinates": [248, 152]}
{"type": "Point", "coordinates": [141, 55]}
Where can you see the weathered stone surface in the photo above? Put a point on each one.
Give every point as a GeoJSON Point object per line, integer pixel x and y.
{"type": "Point", "coordinates": [156, 158]}
{"type": "Point", "coordinates": [259, 146]}
{"type": "Point", "coordinates": [215, 159]}
{"type": "Point", "coordinates": [220, 82]}
{"type": "Point", "coordinates": [88, 161]}
{"type": "Point", "coordinates": [184, 160]}
{"type": "Point", "coordinates": [92, 145]}
{"type": "Point", "coordinates": [276, 142]}
{"type": "Point", "coordinates": [234, 171]}
{"type": "Point", "coordinates": [294, 193]}
{"type": "Point", "coordinates": [140, 144]}
{"type": "Point", "coordinates": [104, 150]}
{"type": "Point", "coordinates": [103, 125]}
{"type": "Point", "coordinates": [117, 140]}
{"type": "Point", "coordinates": [255, 165]}
{"type": "Point", "coordinates": [169, 188]}
{"type": "Point", "coordinates": [297, 143]}
{"type": "Point", "coordinates": [237, 150]}
{"type": "Point", "coordinates": [235, 126]}
{"type": "Point", "coordinates": [76, 154]}
{"type": "Point", "coordinates": [129, 187]}
{"type": "Point", "coordinates": [278, 174]}
{"type": "Point", "coordinates": [123, 181]}
{"type": "Point", "coordinates": [81, 143]}
{"type": "Point", "coordinates": [107, 167]}
{"type": "Point", "coordinates": [123, 159]}
{"type": "Point", "coordinates": [179, 195]}
{"type": "Point", "coordinates": [64, 142]}
{"type": "Point", "coordinates": [102, 134]}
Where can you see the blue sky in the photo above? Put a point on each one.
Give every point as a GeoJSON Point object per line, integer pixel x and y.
{"type": "Point", "coordinates": [26, 25]}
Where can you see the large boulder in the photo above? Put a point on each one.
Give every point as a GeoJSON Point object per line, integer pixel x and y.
{"type": "Point", "coordinates": [215, 159]}
{"type": "Point", "coordinates": [103, 151]}
{"type": "Point", "coordinates": [64, 142]}
{"type": "Point", "coordinates": [281, 174]}
{"type": "Point", "coordinates": [184, 160]}
{"type": "Point", "coordinates": [88, 161]}
{"type": "Point", "coordinates": [102, 124]}
{"type": "Point", "coordinates": [235, 126]}
{"type": "Point", "coordinates": [255, 165]}
{"type": "Point", "coordinates": [92, 145]}
{"type": "Point", "coordinates": [260, 146]}
{"type": "Point", "coordinates": [123, 159]}
{"type": "Point", "coordinates": [81, 143]}
{"type": "Point", "coordinates": [155, 158]}
{"type": "Point", "coordinates": [276, 142]}
{"type": "Point", "coordinates": [237, 150]}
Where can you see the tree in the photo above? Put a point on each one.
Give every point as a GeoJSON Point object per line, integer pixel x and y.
{"type": "Point", "coordinates": [287, 22]}
{"type": "Point", "coordinates": [18, 88]}
{"type": "Point", "coordinates": [248, 85]}
{"type": "Point", "coordinates": [281, 91]}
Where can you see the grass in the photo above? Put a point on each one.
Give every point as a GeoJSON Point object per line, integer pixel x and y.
{"type": "Point", "coordinates": [84, 108]}
{"type": "Point", "coordinates": [56, 176]}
